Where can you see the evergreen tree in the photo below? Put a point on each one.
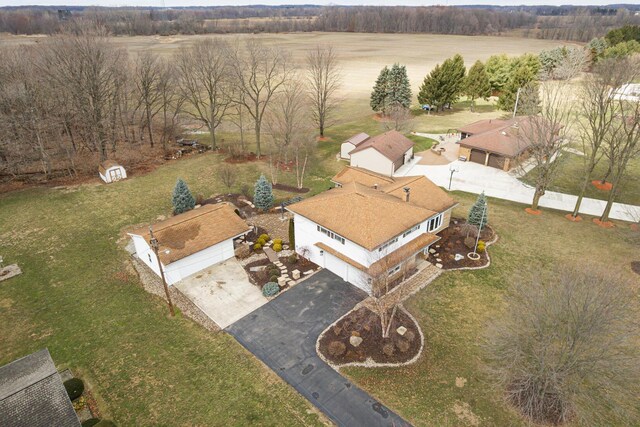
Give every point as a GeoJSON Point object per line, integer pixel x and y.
{"type": "Point", "coordinates": [263, 194]}
{"type": "Point", "coordinates": [433, 90]}
{"type": "Point", "coordinates": [477, 83]}
{"type": "Point", "coordinates": [398, 87]}
{"type": "Point", "coordinates": [182, 198]}
{"type": "Point", "coordinates": [520, 78]}
{"type": "Point", "coordinates": [498, 69]}
{"type": "Point", "coordinates": [444, 84]}
{"type": "Point", "coordinates": [380, 91]}
{"type": "Point", "coordinates": [454, 71]}
{"type": "Point", "coordinates": [292, 234]}
{"type": "Point", "coordinates": [476, 212]}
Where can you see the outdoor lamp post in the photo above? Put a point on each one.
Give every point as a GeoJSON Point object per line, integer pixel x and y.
{"type": "Point", "coordinates": [452, 170]}
{"type": "Point", "coordinates": [154, 245]}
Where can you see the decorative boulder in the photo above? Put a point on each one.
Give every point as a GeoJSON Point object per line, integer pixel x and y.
{"type": "Point", "coordinates": [401, 331]}
{"type": "Point", "coordinates": [355, 341]}
{"type": "Point", "coordinates": [295, 274]}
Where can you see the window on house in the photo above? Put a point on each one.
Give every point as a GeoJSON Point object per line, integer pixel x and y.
{"type": "Point", "coordinates": [434, 223]}
{"type": "Point", "coordinates": [387, 244]}
{"type": "Point", "coordinates": [331, 234]}
{"type": "Point", "coordinates": [150, 258]}
{"type": "Point", "coordinates": [393, 270]}
{"type": "Point", "coordinates": [411, 230]}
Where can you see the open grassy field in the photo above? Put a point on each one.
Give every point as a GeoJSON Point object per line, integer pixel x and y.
{"type": "Point", "coordinates": [362, 55]}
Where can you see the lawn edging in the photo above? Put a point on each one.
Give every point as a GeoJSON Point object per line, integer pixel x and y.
{"type": "Point", "coordinates": [491, 242]}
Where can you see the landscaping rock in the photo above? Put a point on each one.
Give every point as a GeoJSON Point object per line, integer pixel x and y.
{"type": "Point", "coordinates": [355, 341]}
{"type": "Point", "coordinates": [258, 268]}
{"type": "Point", "coordinates": [295, 274]}
{"type": "Point", "coordinates": [401, 331]}
{"type": "Point", "coordinates": [438, 259]}
{"type": "Point", "coordinates": [291, 283]}
{"type": "Point", "coordinates": [459, 257]}
{"type": "Point", "coordinates": [432, 251]}
{"type": "Point", "coordinates": [438, 265]}
{"type": "Point", "coordinates": [306, 273]}
{"type": "Point", "coordinates": [282, 281]}
{"type": "Point", "coordinates": [285, 247]}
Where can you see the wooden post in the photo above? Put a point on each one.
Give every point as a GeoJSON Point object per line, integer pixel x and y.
{"type": "Point", "coordinates": [154, 245]}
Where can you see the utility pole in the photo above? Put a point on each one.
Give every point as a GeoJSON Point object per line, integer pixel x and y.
{"type": "Point", "coordinates": [453, 170]}
{"type": "Point", "coordinates": [154, 245]}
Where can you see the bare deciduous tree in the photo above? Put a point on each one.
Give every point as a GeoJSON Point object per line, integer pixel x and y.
{"type": "Point", "coordinates": [228, 175]}
{"type": "Point", "coordinates": [399, 118]}
{"type": "Point", "coordinates": [259, 71]}
{"type": "Point", "coordinates": [205, 82]}
{"type": "Point", "coordinates": [545, 134]}
{"type": "Point", "coordinates": [147, 80]}
{"type": "Point", "coordinates": [566, 347]}
{"type": "Point", "coordinates": [324, 78]}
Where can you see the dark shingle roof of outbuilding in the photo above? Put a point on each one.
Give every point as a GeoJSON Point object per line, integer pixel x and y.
{"type": "Point", "coordinates": [32, 394]}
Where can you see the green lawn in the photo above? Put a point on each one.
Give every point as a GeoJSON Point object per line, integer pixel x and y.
{"type": "Point", "coordinates": [453, 310]}
{"type": "Point", "coordinates": [78, 297]}
{"type": "Point", "coordinates": [569, 179]}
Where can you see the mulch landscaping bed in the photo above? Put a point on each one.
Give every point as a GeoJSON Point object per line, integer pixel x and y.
{"type": "Point", "coordinates": [259, 278]}
{"type": "Point", "coordinates": [236, 199]}
{"type": "Point", "coordinates": [290, 188]}
{"type": "Point", "coordinates": [452, 243]}
{"type": "Point", "coordinates": [335, 343]}
{"type": "Point", "coordinates": [635, 267]}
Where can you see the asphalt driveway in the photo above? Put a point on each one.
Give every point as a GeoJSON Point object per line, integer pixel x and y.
{"type": "Point", "coordinates": [223, 292]}
{"type": "Point", "coordinates": [283, 335]}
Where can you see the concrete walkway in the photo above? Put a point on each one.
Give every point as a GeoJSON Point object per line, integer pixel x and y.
{"type": "Point", "coordinates": [475, 178]}
{"type": "Point", "coordinates": [283, 334]}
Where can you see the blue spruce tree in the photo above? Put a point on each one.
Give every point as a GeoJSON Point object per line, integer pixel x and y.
{"type": "Point", "coordinates": [263, 194]}
{"type": "Point", "coordinates": [182, 198]}
{"type": "Point", "coordinates": [476, 212]}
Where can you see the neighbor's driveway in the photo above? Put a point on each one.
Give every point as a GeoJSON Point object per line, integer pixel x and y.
{"type": "Point", "coordinates": [223, 292]}
{"type": "Point", "coordinates": [475, 178]}
{"type": "Point", "coordinates": [283, 335]}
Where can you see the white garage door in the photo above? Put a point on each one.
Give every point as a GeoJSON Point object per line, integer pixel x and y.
{"type": "Point", "coordinates": [346, 272]}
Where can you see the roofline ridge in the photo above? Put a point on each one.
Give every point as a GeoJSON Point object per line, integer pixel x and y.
{"type": "Point", "coordinates": [217, 206]}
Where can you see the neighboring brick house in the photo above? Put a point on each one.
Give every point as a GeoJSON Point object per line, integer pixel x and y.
{"type": "Point", "coordinates": [384, 153]}
{"type": "Point", "coordinates": [370, 223]}
{"type": "Point", "coordinates": [495, 143]}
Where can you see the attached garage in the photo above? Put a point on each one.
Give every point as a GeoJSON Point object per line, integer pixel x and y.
{"type": "Point", "coordinates": [478, 156]}
{"type": "Point", "coordinates": [496, 161]}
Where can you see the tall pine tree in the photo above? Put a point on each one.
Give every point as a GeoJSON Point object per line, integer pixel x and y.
{"type": "Point", "coordinates": [476, 212]}
{"type": "Point", "coordinates": [454, 71]}
{"type": "Point", "coordinates": [433, 91]}
{"type": "Point", "coordinates": [182, 198]}
{"type": "Point", "coordinates": [380, 90]}
{"type": "Point", "coordinates": [523, 76]}
{"type": "Point", "coordinates": [477, 84]}
{"type": "Point", "coordinates": [444, 84]}
{"type": "Point", "coordinates": [263, 194]}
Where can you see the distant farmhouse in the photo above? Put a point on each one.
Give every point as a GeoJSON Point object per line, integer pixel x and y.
{"type": "Point", "coordinates": [32, 394]}
{"type": "Point", "coordinates": [191, 241]}
{"type": "Point", "coordinates": [495, 143]}
{"type": "Point", "coordinates": [370, 224]}
{"type": "Point", "coordinates": [383, 154]}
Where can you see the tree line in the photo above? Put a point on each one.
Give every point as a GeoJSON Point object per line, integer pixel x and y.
{"type": "Point", "coordinates": [74, 100]}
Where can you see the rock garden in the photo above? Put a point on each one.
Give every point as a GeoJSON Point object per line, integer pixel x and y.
{"type": "Point", "coordinates": [357, 338]}
{"type": "Point", "coordinates": [457, 242]}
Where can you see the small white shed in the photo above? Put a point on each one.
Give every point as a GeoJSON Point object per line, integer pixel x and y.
{"type": "Point", "coordinates": [351, 144]}
{"type": "Point", "coordinates": [111, 171]}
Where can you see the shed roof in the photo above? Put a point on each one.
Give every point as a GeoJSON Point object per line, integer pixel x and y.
{"type": "Point", "coordinates": [391, 144]}
{"type": "Point", "coordinates": [195, 230]}
{"type": "Point", "coordinates": [106, 165]}
{"type": "Point", "coordinates": [32, 394]}
{"type": "Point", "coordinates": [358, 139]}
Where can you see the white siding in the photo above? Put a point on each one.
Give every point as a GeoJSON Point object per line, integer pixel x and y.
{"type": "Point", "coordinates": [408, 154]}
{"type": "Point", "coordinates": [107, 173]}
{"type": "Point", "coordinates": [345, 149]}
{"type": "Point", "coordinates": [184, 267]}
{"type": "Point", "coordinates": [372, 160]}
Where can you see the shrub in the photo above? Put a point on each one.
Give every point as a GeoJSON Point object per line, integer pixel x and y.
{"type": "Point", "coordinates": [263, 194]}
{"type": "Point", "coordinates": [481, 246]}
{"type": "Point", "coordinates": [274, 272]}
{"type": "Point", "coordinates": [470, 242]}
{"type": "Point", "coordinates": [277, 242]}
{"type": "Point", "coordinates": [388, 349]}
{"type": "Point", "coordinates": [264, 237]}
{"type": "Point", "coordinates": [273, 278]}
{"type": "Point", "coordinates": [91, 422]}
{"type": "Point", "coordinates": [293, 258]}
{"type": "Point", "coordinates": [182, 199]}
{"type": "Point", "coordinates": [409, 336]}
{"type": "Point", "coordinates": [277, 247]}
{"type": "Point", "coordinates": [403, 345]}
{"type": "Point", "coordinates": [74, 388]}
{"type": "Point", "coordinates": [261, 241]}
{"type": "Point", "coordinates": [257, 246]}
{"type": "Point", "coordinates": [336, 348]}
{"type": "Point", "coordinates": [270, 289]}
{"type": "Point", "coordinates": [292, 234]}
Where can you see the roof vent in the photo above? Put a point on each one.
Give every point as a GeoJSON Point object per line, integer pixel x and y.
{"type": "Point", "coordinates": [407, 192]}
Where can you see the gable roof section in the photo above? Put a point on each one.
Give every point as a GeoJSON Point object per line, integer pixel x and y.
{"type": "Point", "coordinates": [423, 192]}
{"type": "Point", "coordinates": [358, 139]}
{"type": "Point", "coordinates": [391, 144]}
{"type": "Point", "coordinates": [32, 394]}
{"type": "Point", "coordinates": [194, 231]}
{"type": "Point", "coordinates": [482, 126]}
{"type": "Point", "coordinates": [505, 140]}
{"type": "Point", "coordinates": [361, 214]}
{"type": "Point", "coordinates": [106, 165]}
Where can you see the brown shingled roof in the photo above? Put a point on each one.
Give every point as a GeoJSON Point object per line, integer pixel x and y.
{"type": "Point", "coordinates": [423, 192]}
{"type": "Point", "coordinates": [195, 230]}
{"type": "Point", "coordinates": [390, 144]}
{"type": "Point", "coordinates": [365, 216]}
{"type": "Point", "coordinates": [505, 140]}
{"type": "Point", "coordinates": [104, 166]}
{"type": "Point", "coordinates": [358, 139]}
{"type": "Point", "coordinates": [482, 126]}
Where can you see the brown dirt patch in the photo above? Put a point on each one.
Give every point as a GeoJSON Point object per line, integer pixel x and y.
{"type": "Point", "coordinates": [603, 224]}
{"type": "Point", "coordinates": [366, 324]}
{"type": "Point", "coordinates": [290, 188]}
{"type": "Point", "coordinates": [634, 227]}
{"type": "Point", "coordinates": [635, 267]}
{"type": "Point", "coordinates": [607, 186]}
{"type": "Point", "coordinates": [533, 211]}
{"type": "Point", "coordinates": [572, 218]}
{"type": "Point", "coordinates": [452, 242]}
{"type": "Point", "coordinates": [243, 158]}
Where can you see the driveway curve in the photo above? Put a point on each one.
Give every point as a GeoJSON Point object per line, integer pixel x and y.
{"type": "Point", "coordinates": [283, 334]}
